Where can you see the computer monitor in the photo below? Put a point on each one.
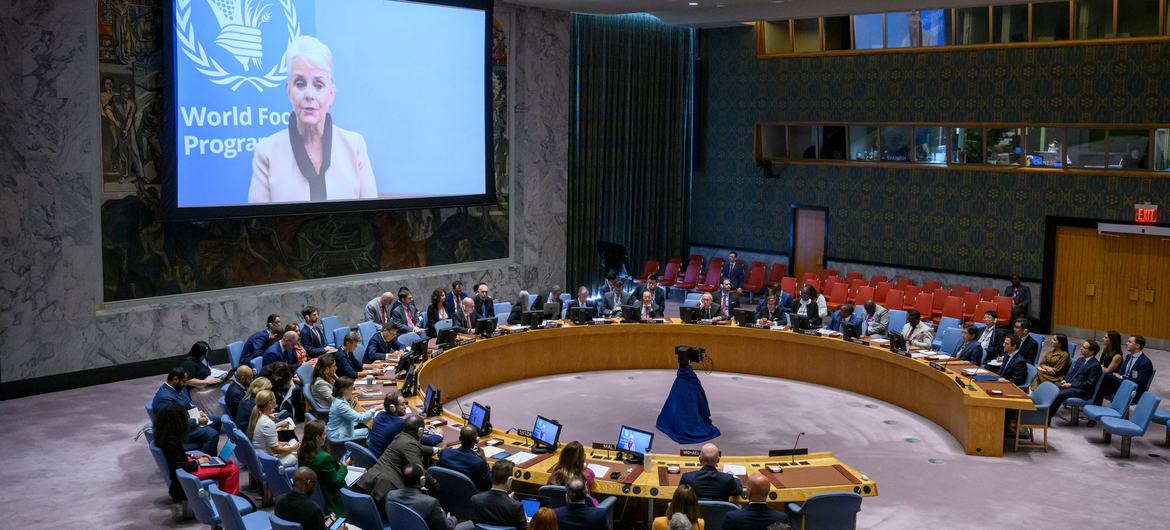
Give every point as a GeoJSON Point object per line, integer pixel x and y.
{"type": "Point", "coordinates": [545, 433]}
{"type": "Point", "coordinates": [447, 338]}
{"type": "Point", "coordinates": [582, 315]}
{"type": "Point", "coordinates": [430, 399]}
{"type": "Point", "coordinates": [552, 310]}
{"type": "Point", "coordinates": [631, 313]}
{"type": "Point", "coordinates": [800, 321]}
{"type": "Point", "coordinates": [897, 342]}
{"type": "Point", "coordinates": [688, 314]}
{"type": "Point", "coordinates": [480, 418]}
{"type": "Point", "coordinates": [745, 317]}
{"type": "Point", "coordinates": [634, 444]}
{"type": "Point", "coordinates": [532, 318]}
{"type": "Point", "coordinates": [486, 326]}
{"type": "Point", "coordinates": [851, 330]}
{"type": "Point", "coordinates": [419, 349]}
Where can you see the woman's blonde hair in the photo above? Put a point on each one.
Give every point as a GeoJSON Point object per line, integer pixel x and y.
{"type": "Point", "coordinates": [263, 399]}
{"type": "Point", "coordinates": [258, 384]}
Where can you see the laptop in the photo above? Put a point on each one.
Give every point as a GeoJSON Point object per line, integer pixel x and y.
{"type": "Point", "coordinates": [224, 455]}
{"type": "Point", "coordinates": [531, 503]}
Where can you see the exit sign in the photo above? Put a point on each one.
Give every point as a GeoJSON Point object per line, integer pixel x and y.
{"type": "Point", "coordinates": [1145, 213]}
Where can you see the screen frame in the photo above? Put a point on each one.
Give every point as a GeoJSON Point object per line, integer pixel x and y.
{"type": "Point", "coordinates": [168, 135]}
{"type": "Point", "coordinates": [556, 438]}
{"type": "Point", "coordinates": [428, 395]}
{"type": "Point", "coordinates": [470, 416]}
{"type": "Point", "coordinates": [649, 445]}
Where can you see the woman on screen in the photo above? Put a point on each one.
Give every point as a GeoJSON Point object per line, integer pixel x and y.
{"type": "Point", "coordinates": [313, 160]}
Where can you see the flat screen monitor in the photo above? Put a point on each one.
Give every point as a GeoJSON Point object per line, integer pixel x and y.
{"type": "Point", "coordinates": [552, 310]}
{"type": "Point", "coordinates": [688, 314]}
{"type": "Point", "coordinates": [447, 337]}
{"type": "Point", "coordinates": [418, 349]}
{"type": "Point", "coordinates": [897, 342]}
{"type": "Point", "coordinates": [478, 417]}
{"type": "Point", "coordinates": [851, 330]}
{"type": "Point", "coordinates": [634, 443]}
{"type": "Point", "coordinates": [486, 326]}
{"type": "Point", "coordinates": [631, 313]}
{"type": "Point", "coordinates": [582, 315]}
{"type": "Point", "coordinates": [429, 400]}
{"type": "Point", "coordinates": [545, 433]}
{"type": "Point", "coordinates": [532, 318]}
{"type": "Point", "coordinates": [801, 321]}
{"type": "Point", "coordinates": [745, 317]}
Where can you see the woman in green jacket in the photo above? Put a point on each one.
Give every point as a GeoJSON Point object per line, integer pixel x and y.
{"type": "Point", "coordinates": [330, 474]}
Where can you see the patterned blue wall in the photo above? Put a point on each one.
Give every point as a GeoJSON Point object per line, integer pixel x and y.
{"type": "Point", "coordinates": [969, 221]}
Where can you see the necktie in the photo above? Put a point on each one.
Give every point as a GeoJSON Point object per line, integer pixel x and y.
{"type": "Point", "coordinates": [865, 325]}
{"type": "Point", "coordinates": [723, 306]}
{"type": "Point", "coordinates": [645, 311]}
{"type": "Point", "coordinates": [467, 320]}
{"type": "Point", "coordinates": [316, 335]}
{"type": "Point", "coordinates": [409, 318]}
{"type": "Point", "coordinates": [1129, 365]}
{"type": "Point", "coordinates": [383, 314]}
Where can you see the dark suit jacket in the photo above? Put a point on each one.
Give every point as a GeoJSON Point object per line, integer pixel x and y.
{"type": "Point", "coordinates": [424, 505]}
{"type": "Point", "coordinates": [166, 396]}
{"type": "Point", "coordinates": [1025, 296]}
{"type": "Point", "coordinates": [451, 303]}
{"type": "Point", "coordinates": [254, 346]}
{"type": "Point", "coordinates": [707, 313]}
{"type": "Point", "coordinates": [995, 345]}
{"type": "Point", "coordinates": [232, 397]}
{"type": "Point", "coordinates": [607, 302]}
{"type": "Point", "coordinates": [734, 272]}
{"type": "Point", "coordinates": [347, 364]}
{"type": "Point", "coordinates": [812, 310]}
{"type": "Point", "coordinates": [459, 318]}
{"type": "Point", "coordinates": [655, 309]}
{"type": "Point", "coordinates": [756, 516]}
{"type": "Point", "coordinates": [386, 475]}
{"type": "Point", "coordinates": [732, 302]}
{"type": "Point", "coordinates": [468, 463]}
{"type": "Point", "coordinates": [971, 352]}
{"type": "Point", "coordinates": [550, 308]}
{"type": "Point", "coordinates": [495, 507]}
{"type": "Point", "coordinates": [515, 314]}
{"type": "Point", "coordinates": [385, 428]}
{"type": "Point", "coordinates": [433, 317]}
{"type": "Point", "coordinates": [378, 347]}
{"type": "Point", "coordinates": [314, 343]}
{"type": "Point", "coordinates": [776, 315]}
{"type": "Point", "coordinates": [1141, 373]}
{"type": "Point", "coordinates": [659, 296]}
{"type": "Point", "coordinates": [711, 484]}
{"type": "Point", "coordinates": [1083, 376]}
{"type": "Point", "coordinates": [274, 355]}
{"type": "Point", "coordinates": [398, 317]}
{"type": "Point", "coordinates": [1014, 369]}
{"type": "Point", "coordinates": [485, 308]}
{"type": "Point", "coordinates": [1029, 349]}
{"type": "Point", "coordinates": [576, 303]}
{"type": "Point", "coordinates": [294, 506]}
{"type": "Point", "coordinates": [581, 517]}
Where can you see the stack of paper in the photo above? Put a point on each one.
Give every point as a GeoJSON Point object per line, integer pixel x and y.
{"type": "Point", "coordinates": [352, 474]}
{"type": "Point", "coordinates": [734, 470]}
{"type": "Point", "coordinates": [493, 452]}
{"type": "Point", "coordinates": [521, 457]}
{"type": "Point", "coordinates": [598, 470]}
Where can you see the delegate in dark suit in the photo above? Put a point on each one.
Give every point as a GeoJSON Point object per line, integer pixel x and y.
{"type": "Point", "coordinates": [1029, 349]}
{"type": "Point", "coordinates": [386, 475]}
{"type": "Point", "coordinates": [775, 315]}
{"type": "Point", "coordinates": [754, 516]}
{"type": "Point", "coordinates": [581, 517]}
{"type": "Point", "coordinates": [294, 506]}
{"type": "Point", "coordinates": [659, 294]}
{"type": "Point", "coordinates": [1140, 370]}
{"type": "Point", "coordinates": [398, 318]}
{"type": "Point", "coordinates": [379, 347]}
{"type": "Point", "coordinates": [1081, 380]}
{"type": "Point", "coordinates": [424, 505]}
{"type": "Point", "coordinates": [655, 311]}
{"type": "Point", "coordinates": [734, 272]}
{"type": "Point", "coordinates": [452, 302]}
{"type": "Point", "coordinates": [551, 306]}
{"type": "Point", "coordinates": [205, 436]}
{"type": "Point", "coordinates": [1014, 369]}
{"type": "Point", "coordinates": [971, 352]}
{"type": "Point", "coordinates": [275, 354]}
{"type": "Point", "coordinates": [467, 462]}
{"type": "Point", "coordinates": [725, 302]}
{"type": "Point", "coordinates": [463, 322]}
{"type": "Point", "coordinates": [577, 303]}
{"type": "Point", "coordinates": [711, 484]}
{"type": "Point", "coordinates": [485, 308]}
{"type": "Point", "coordinates": [386, 427]}
{"type": "Point", "coordinates": [232, 397]}
{"type": "Point", "coordinates": [313, 340]}
{"type": "Point", "coordinates": [255, 346]}
{"type": "Point", "coordinates": [495, 507]}
{"type": "Point", "coordinates": [347, 364]}
{"type": "Point", "coordinates": [514, 316]}
{"type": "Point", "coordinates": [433, 317]}
{"type": "Point", "coordinates": [991, 340]}
{"type": "Point", "coordinates": [613, 300]}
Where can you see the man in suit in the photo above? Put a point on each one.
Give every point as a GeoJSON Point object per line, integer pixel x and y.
{"type": "Point", "coordinates": [497, 506]}
{"type": "Point", "coordinates": [411, 496]}
{"type": "Point", "coordinates": [991, 340]}
{"type": "Point", "coordinates": [876, 320]}
{"type": "Point", "coordinates": [261, 340]}
{"type": "Point", "coordinates": [845, 315]}
{"type": "Point", "coordinates": [204, 431]}
{"type": "Point", "coordinates": [649, 308]}
{"type": "Point", "coordinates": [708, 482]}
{"type": "Point", "coordinates": [1136, 366]}
{"type": "Point", "coordinates": [388, 424]}
{"type": "Point", "coordinates": [918, 333]}
{"type": "Point", "coordinates": [455, 297]}
{"type": "Point", "coordinates": [404, 317]}
{"type": "Point", "coordinates": [770, 311]}
{"type": "Point", "coordinates": [464, 317]}
{"type": "Point", "coordinates": [384, 342]}
{"type": "Point", "coordinates": [969, 350]}
{"type": "Point", "coordinates": [284, 350]}
{"type": "Point", "coordinates": [404, 449]}
{"type": "Point", "coordinates": [582, 299]}
{"type": "Point", "coordinates": [348, 364]}
{"type": "Point", "coordinates": [1081, 380]}
{"type": "Point", "coordinates": [313, 334]}
{"type": "Point", "coordinates": [467, 459]}
{"type": "Point", "coordinates": [1013, 366]}
{"type": "Point", "coordinates": [378, 309]}
{"type": "Point", "coordinates": [652, 286]}
{"type": "Point", "coordinates": [727, 301]}
{"type": "Point", "coordinates": [297, 506]}
{"type": "Point", "coordinates": [550, 303]}
{"type": "Point", "coordinates": [707, 309]}
{"type": "Point", "coordinates": [1021, 297]}
{"type": "Point", "coordinates": [484, 305]}
{"type": "Point", "coordinates": [1029, 349]}
{"type": "Point", "coordinates": [607, 287]}
{"type": "Point", "coordinates": [577, 514]}
{"type": "Point", "coordinates": [756, 515]}
{"type": "Point", "coordinates": [733, 270]}
{"type": "Point", "coordinates": [237, 388]}
{"type": "Point", "coordinates": [612, 302]}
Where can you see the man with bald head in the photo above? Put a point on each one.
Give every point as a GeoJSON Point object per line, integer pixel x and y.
{"type": "Point", "coordinates": [578, 513]}
{"type": "Point", "coordinates": [708, 482]}
{"type": "Point", "coordinates": [378, 309]}
{"type": "Point", "coordinates": [237, 388]}
{"type": "Point", "coordinates": [756, 515]}
{"type": "Point", "coordinates": [467, 459]}
{"type": "Point", "coordinates": [404, 449]}
{"type": "Point", "coordinates": [297, 505]}
{"type": "Point", "coordinates": [284, 350]}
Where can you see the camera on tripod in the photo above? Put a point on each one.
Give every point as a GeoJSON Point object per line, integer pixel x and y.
{"type": "Point", "coordinates": [689, 354]}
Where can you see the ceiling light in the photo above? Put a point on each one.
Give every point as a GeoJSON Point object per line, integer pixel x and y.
{"type": "Point", "coordinates": [693, 4]}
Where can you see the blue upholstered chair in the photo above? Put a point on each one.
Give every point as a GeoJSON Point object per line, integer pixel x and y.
{"type": "Point", "coordinates": [1074, 405]}
{"type": "Point", "coordinates": [361, 510]}
{"type": "Point", "coordinates": [897, 319]}
{"type": "Point", "coordinates": [339, 334]}
{"type": "Point", "coordinates": [531, 300]}
{"type": "Point", "coordinates": [274, 474]}
{"type": "Point", "coordinates": [257, 363]}
{"type": "Point", "coordinates": [330, 323]}
{"type": "Point", "coordinates": [362, 457]}
{"type": "Point", "coordinates": [1039, 342]}
{"type": "Point", "coordinates": [695, 297]}
{"type": "Point", "coordinates": [555, 495]}
{"type": "Point", "coordinates": [455, 491]}
{"type": "Point", "coordinates": [406, 339]}
{"type": "Point", "coordinates": [446, 323]}
{"type": "Point", "coordinates": [223, 396]}
{"type": "Point", "coordinates": [1136, 425]}
{"type": "Point", "coordinates": [246, 453]}
{"type": "Point", "coordinates": [1032, 371]}
{"type": "Point", "coordinates": [367, 330]}
{"type": "Point", "coordinates": [319, 410]}
{"type": "Point", "coordinates": [944, 324]}
{"type": "Point", "coordinates": [502, 311]}
{"type": "Point", "coordinates": [317, 497]}
{"type": "Point", "coordinates": [1118, 404]}
{"type": "Point", "coordinates": [478, 526]}
{"type": "Point", "coordinates": [235, 350]}
{"type": "Point", "coordinates": [230, 516]}
{"type": "Point", "coordinates": [282, 524]}
{"type": "Point", "coordinates": [713, 512]}
{"type": "Point", "coordinates": [1160, 417]}
{"type": "Point", "coordinates": [200, 501]}
{"type": "Point", "coordinates": [401, 517]}
{"type": "Point", "coordinates": [160, 460]}
{"type": "Point", "coordinates": [827, 510]}
{"type": "Point", "coordinates": [1042, 398]}
{"type": "Point", "coordinates": [948, 339]}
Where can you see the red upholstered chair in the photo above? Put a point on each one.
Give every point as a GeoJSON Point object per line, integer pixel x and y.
{"type": "Point", "coordinates": [1003, 308]}
{"type": "Point", "coordinates": [716, 263]}
{"type": "Point", "coordinates": [810, 276]}
{"type": "Point", "coordinates": [988, 293]}
{"type": "Point", "coordinates": [953, 308]}
{"type": "Point", "coordinates": [881, 292]}
{"type": "Point", "coordinates": [983, 307]}
{"type": "Point", "coordinates": [815, 283]}
{"type": "Point", "coordinates": [895, 299]}
{"type": "Point", "coordinates": [690, 277]}
{"type": "Point", "coordinates": [929, 287]}
{"type": "Point", "coordinates": [651, 267]}
{"type": "Point", "coordinates": [960, 290]}
{"type": "Point", "coordinates": [924, 303]}
{"type": "Point", "coordinates": [674, 258]}
{"type": "Point", "coordinates": [788, 285]}
{"type": "Point", "coordinates": [940, 298]}
{"type": "Point", "coordinates": [862, 294]}
{"type": "Point", "coordinates": [755, 280]}
{"type": "Point", "coordinates": [829, 272]}
{"type": "Point", "coordinates": [697, 257]}
{"type": "Point", "coordinates": [850, 276]}
{"type": "Point", "coordinates": [911, 292]}
{"type": "Point", "coordinates": [855, 284]}
{"type": "Point", "coordinates": [837, 296]}
{"type": "Point", "coordinates": [970, 302]}
{"type": "Point", "coordinates": [711, 279]}
{"type": "Point", "coordinates": [901, 283]}
{"type": "Point", "coordinates": [670, 275]}
{"type": "Point", "coordinates": [776, 274]}
{"type": "Point", "coordinates": [878, 278]}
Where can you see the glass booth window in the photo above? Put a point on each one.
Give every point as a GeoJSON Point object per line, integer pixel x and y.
{"type": "Point", "coordinates": [1086, 147]}
{"type": "Point", "coordinates": [1094, 19]}
{"type": "Point", "coordinates": [773, 142]}
{"type": "Point", "coordinates": [1049, 21]}
{"type": "Point", "coordinates": [902, 29]}
{"type": "Point", "coordinates": [896, 143]}
{"type": "Point", "coordinates": [930, 145]}
{"type": "Point", "coordinates": [1129, 148]}
{"type": "Point", "coordinates": [1004, 146]}
{"type": "Point", "coordinates": [1044, 147]}
{"type": "Point", "coordinates": [802, 139]}
{"type": "Point", "coordinates": [867, 31]}
{"type": "Point", "coordinates": [837, 33]}
{"type": "Point", "coordinates": [972, 25]}
{"type": "Point", "coordinates": [967, 145]}
{"type": "Point", "coordinates": [807, 34]}
{"type": "Point", "coordinates": [1162, 149]}
{"type": "Point", "coordinates": [1009, 23]}
{"type": "Point", "coordinates": [936, 27]}
{"type": "Point", "coordinates": [833, 144]}
{"type": "Point", "coordinates": [777, 37]}
{"type": "Point", "coordinates": [863, 143]}
{"type": "Point", "coordinates": [1137, 18]}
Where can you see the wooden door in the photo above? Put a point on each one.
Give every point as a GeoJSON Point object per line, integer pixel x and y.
{"type": "Point", "coordinates": [1154, 294]}
{"type": "Point", "coordinates": [808, 240]}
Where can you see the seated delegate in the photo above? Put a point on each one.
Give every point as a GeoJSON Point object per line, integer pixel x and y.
{"type": "Point", "coordinates": [203, 431]}
{"type": "Point", "coordinates": [683, 502]}
{"type": "Point", "coordinates": [170, 433]}
{"type": "Point", "coordinates": [708, 482]}
{"type": "Point", "coordinates": [330, 473]}
{"type": "Point", "coordinates": [1081, 379]}
{"type": "Point", "coordinates": [467, 459]}
{"type": "Point", "coordinates": [497, 506]}
{"type": "Point", "coordinates": [756, 515]}
{"type": "Point", "coordinates": [262, 431]}
{"type": "Point", "coordinates": [1054, 363]}
{"type": "Point", "coordinates": [578, 513]}
{"type": "Point", "coordinates": [388, 424]}
{"type": "Point", "coordinates": [342, 416]}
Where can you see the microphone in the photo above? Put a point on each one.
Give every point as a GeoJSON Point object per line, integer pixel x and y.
{"type": "Point", "coordinates": [461, 414]}
{"type": "Point", "coordinates": [793, 460]}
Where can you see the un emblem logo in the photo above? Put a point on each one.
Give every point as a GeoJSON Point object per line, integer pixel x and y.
{"type": "Point", "coordinates": [242, 24]}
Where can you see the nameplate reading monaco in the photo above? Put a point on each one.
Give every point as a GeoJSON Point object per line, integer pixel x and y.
{"type": "Point", "coordinates": [688, 452]}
